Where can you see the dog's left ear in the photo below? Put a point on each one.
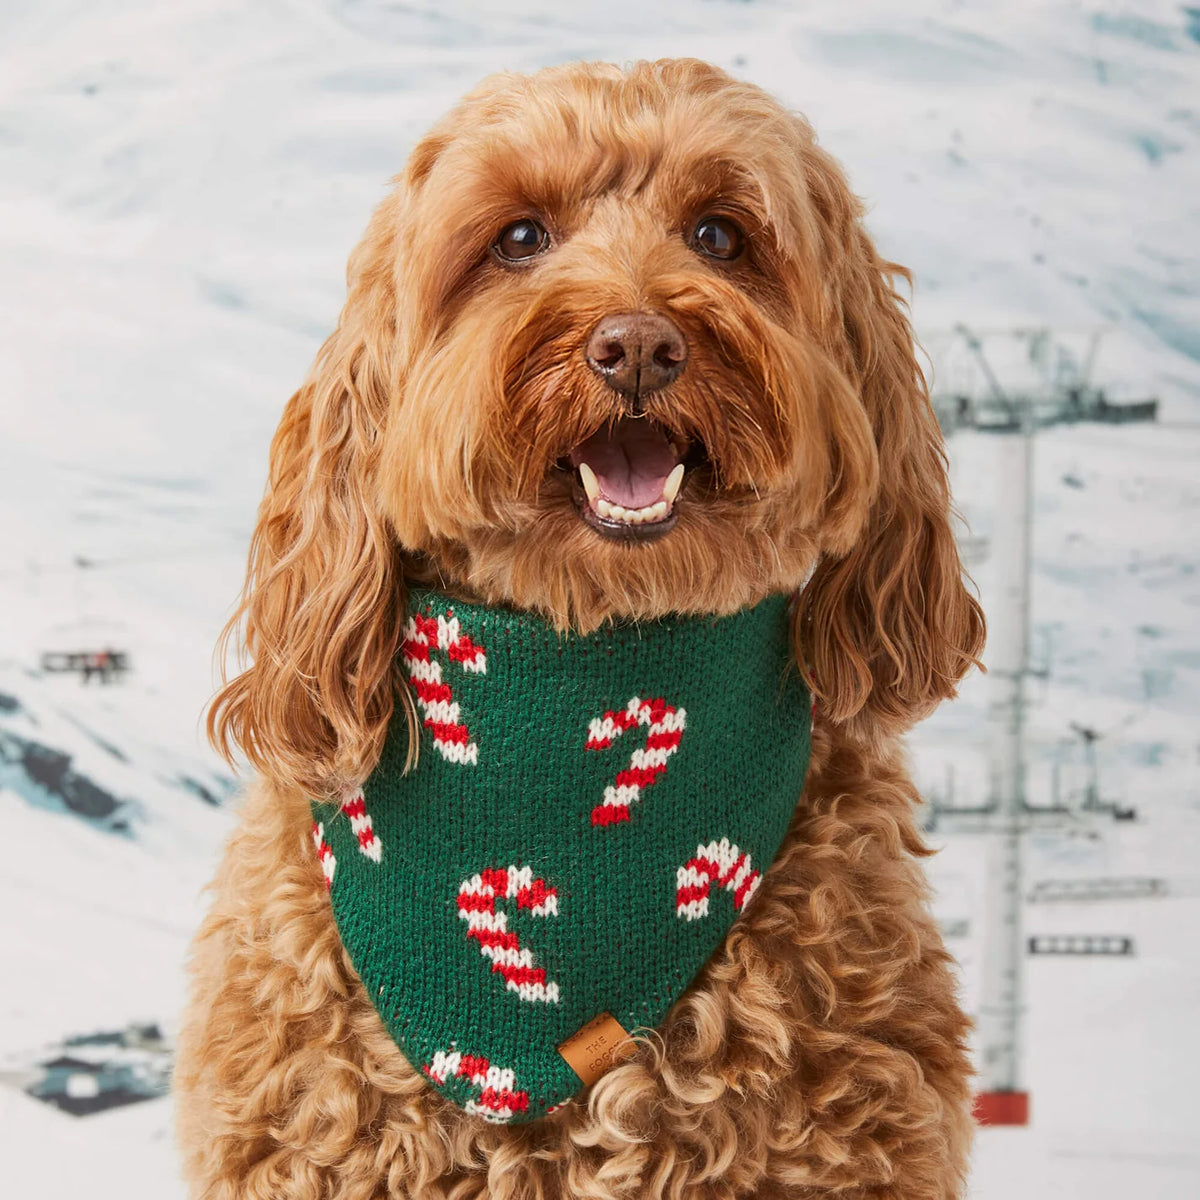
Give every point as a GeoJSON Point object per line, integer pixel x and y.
{"type": "Point", "coordinates": [324, 600]}
{"type": "Point", "coordinates": [885, 631]}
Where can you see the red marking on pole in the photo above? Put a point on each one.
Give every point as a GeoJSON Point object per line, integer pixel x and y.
{"type": "Point", "coordinates": [1002, 1108]}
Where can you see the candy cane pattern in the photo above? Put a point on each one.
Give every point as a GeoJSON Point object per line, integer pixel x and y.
{"type": "Point", "coordinates": [360, 823]}
{"type": "Point", "coordinates": [324, 853]}
{"type": "Point", "coordinates": [718, 862]}
{"type": "Point", "coordinates": [423, 635]}
{"type": "Point", "coordinates": [666, 724]}
{"type": "Point", "coordinates": [498, 1101]}
{"type": "Point", "coordinates": [477, 906]}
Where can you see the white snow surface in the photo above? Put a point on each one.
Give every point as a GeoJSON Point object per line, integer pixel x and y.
{"type": "Point", "coordinates": [180, 186]}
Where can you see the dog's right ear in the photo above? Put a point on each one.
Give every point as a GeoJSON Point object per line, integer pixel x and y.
{"type": "Point", "coordinates": [323, 602]}
{"type": "Point", "coordinates": [886, 628]}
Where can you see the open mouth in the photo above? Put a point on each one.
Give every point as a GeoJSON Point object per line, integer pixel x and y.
{"type": "Point", "coordinates": [628, 476]}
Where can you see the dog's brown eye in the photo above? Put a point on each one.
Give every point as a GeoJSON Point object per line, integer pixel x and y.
{"type": "Point", "coordinates": [718, 237]}
{"type": "Point", "coordinates": [522, 239]}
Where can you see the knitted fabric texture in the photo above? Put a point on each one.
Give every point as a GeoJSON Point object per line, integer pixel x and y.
{"type": "Point", "coordinates": [587, 818]}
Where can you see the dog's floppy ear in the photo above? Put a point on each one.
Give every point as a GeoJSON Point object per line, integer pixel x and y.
{"type": "Point", "coordinates": [323, 599]}
{"type": "Point", "coordinates": [885, 631]}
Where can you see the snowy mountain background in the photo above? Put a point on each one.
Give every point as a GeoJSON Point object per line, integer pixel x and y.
{"type": "Point", "coordinates": [180, 186]}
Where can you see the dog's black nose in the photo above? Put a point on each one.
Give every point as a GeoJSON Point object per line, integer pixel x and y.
{"type": "Point", "coordinates": [637, 353]}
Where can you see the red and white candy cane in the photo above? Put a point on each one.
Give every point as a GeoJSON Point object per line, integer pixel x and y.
{"type": "Point", "coordinates": [477, 898]}
{"type": "Point", "coordinates": [422, 636]}
{"type": "Point", "coordinates": [324, 853]}
{"type": "Point", "coordinates": [499, 1099]}
{"type": "Point", "coordinates": [666, 725]}
{"type": "Point", "coordinates": [721, 863]}
{"type": "Point", "coordinates": [360, 823]}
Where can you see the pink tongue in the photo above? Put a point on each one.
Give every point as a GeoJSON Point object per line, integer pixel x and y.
{"type": "Point", "coordinates": [631, 459]}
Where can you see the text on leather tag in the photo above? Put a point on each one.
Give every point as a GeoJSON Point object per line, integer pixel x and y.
{"type": "Point", "coordinates": [600, 1044]}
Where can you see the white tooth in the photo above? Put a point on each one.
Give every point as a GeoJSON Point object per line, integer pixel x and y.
{"type": "Point", "coordinates": [673, 484]}
{"type": "Point", "coordinates": [657, 511]}
{"type": "Point", "coordinates": [604, 508]}
{"type": "Point", "coordinates": [618, 513]}
{"type": "Point", "coordinates": [635, 516]}
{"type": "Point", "coordinates": [591, 484]}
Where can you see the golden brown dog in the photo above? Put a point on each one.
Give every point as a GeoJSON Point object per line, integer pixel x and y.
{"type": "Point", "coordinates": [659, 263]}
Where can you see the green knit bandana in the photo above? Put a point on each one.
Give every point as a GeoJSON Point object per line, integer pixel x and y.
{"type": "Point", "coordinates": [587, 817]}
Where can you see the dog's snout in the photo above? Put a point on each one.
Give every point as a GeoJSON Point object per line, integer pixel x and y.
{"type": "Point", "coordinates": [637, 353]}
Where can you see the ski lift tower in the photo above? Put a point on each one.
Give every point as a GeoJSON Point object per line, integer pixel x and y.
{"type": "Point", "coordinates": [1003, 1099]}
{"type": "Point", "coordinates": [1006, 816]}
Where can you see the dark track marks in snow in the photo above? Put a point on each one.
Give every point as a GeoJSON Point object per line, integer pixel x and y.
{"type": "Point", "coordinates": [46, 778]}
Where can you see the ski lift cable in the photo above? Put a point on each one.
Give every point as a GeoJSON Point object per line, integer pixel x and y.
{"type": "Point", "coordinates": [1089, 733]}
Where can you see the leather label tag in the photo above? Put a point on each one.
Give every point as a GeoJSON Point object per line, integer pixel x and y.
{"type": "Point", "coordinates": [599, 1045]}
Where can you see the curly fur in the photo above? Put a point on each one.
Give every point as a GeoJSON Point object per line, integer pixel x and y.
{"type": "Point", "coordinates": [821, 1051]}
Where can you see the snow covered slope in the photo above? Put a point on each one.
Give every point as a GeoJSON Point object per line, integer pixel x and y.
{"type": "Point", "coordinates": [179, 188]}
